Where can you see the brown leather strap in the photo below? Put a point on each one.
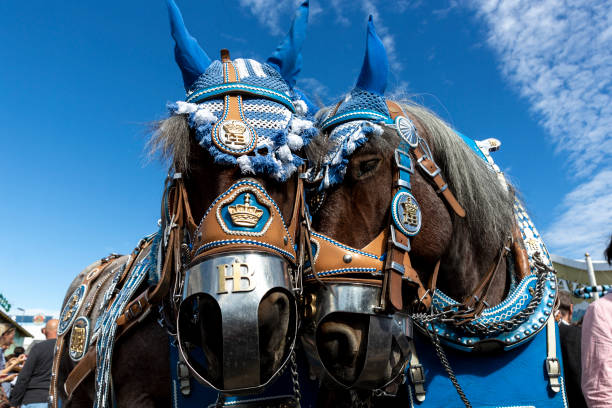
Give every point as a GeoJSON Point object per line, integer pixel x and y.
{"type": "Point", "coordinates": [433, 170]}
{"type": "Point", "coordinates": [59, 344]}
{"type": "Point", "coordinates": [142, 304]}
{"type": "Point", "coordinates": [88, 364]}
{"type": "Point", "coordinates": [521, 259]}
{"type": "Point", "coordinates": [477, 300]}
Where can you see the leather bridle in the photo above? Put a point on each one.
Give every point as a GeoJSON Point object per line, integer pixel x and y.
{"type": "Point", "coordinates": [387, 256]}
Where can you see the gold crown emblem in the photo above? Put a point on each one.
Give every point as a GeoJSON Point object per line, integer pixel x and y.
{"type": "Point", "coordinates": [245, 215]}
{"type": "Point", "coordinates": [235, 133]}
{"type": "Point", "coordinates": [410, 213]}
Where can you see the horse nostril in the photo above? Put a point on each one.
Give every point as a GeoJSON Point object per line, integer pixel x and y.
{"type": "Point", "coordinates": [340, 341]}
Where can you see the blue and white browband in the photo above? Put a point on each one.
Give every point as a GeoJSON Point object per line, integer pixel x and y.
{"type": "Point", "coordinates": [281, 134]}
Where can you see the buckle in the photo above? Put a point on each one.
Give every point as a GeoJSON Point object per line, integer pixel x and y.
{"type": "Point", "coordinates": [405, 248]}
{"type": "Point", "coordinates": [425, 169]}
{"type": "Point", "coordinates": [398, 161]}
{"type": "Point", "coordinates": [396, 267]}
{"type": "Point", "coordinates": [417, 374]}
{"type": "Point", "coordinates": [134, 310]}
{"type": "Point", "coordinates": [553, 368]}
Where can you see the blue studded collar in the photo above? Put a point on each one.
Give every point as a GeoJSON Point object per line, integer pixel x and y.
{"type": "Point", "coordinates": [529, 304]}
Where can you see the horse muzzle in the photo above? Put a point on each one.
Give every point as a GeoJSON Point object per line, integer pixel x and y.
{"type": "Point", "coordinates": [335, 309]}
{"type": "Point", "coordinates": [228, 300]}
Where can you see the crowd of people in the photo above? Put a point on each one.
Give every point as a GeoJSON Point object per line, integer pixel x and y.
{"type": "Point", "coordinates": [25, 378]}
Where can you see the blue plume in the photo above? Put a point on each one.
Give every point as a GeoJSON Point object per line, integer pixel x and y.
{"type": "Point", "coordinates": [373, 76]}
{"type": "Point", "coordinates": [287, 59]}
{"type": "Point", "coordinates": [190, 57]}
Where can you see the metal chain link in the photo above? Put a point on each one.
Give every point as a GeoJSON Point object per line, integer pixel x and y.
{"type": "Point", "coordinates": [295, 378]}
{"type": "Point", "coordinates": [451, 374]}
{"type": "Point", "coordinates": [477, 328]}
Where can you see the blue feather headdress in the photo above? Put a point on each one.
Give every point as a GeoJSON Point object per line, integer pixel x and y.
{"type": "Point", "coordinates": [280, 116]}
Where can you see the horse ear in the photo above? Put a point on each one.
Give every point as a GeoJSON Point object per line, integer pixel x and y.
{"type": "Point", "coordinates": [375, 69]}
{"type": "Point", "coordinates": [190, 57]}
{"type": "Point", "coordinates": [287, 59]}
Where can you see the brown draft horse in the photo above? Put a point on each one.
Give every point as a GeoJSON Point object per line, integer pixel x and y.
{"type": "Point", "coordinates": [140, 375]}
{"type": "Point", "coordinates": [355, 208]}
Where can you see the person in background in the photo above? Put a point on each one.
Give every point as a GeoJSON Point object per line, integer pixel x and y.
{"type": "Point", "coordinates": [6, 339]}
{"type": "Point", "coordinates": [32, 387]}
{"type": "Point", "coordinates": [597, 350]}
{"type": "Point", "coordinates": [569, 336]}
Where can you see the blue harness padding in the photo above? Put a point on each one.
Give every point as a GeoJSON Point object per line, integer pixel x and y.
{"type": "Point", "coordinates": [202, 396]}
{"type": "Point", "coordinates": [514, 378]}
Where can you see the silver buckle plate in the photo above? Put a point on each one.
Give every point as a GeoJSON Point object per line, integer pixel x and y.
{"type": "Point", "coordinates": [398, 161]}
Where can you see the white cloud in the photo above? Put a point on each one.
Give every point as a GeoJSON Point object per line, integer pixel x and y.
{"type": "Point", "coordinates": [370, 7]}
{"type": "Point", "coordinates": [269, 13]}
{"type": "Point", "coordinates": [585, 224]}
{"type": "Point", "coordinates": [558, 55]}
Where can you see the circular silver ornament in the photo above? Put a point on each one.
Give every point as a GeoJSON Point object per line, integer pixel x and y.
{"type": "Point", "coordinates": [406, 130]}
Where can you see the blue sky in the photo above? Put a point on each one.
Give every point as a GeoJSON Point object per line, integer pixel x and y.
{"type": "Point", "coordinates": [80, 82]}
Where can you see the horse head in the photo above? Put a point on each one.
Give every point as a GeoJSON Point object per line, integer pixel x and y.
{"type": "Point", "coordinates": [401, 205]}
{"type": "Point", "coordinates": [233, 203]}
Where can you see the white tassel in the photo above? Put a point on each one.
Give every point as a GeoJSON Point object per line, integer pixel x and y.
{"type": "Point", "coordinates": [300, 107]}
{"type": "Point", "coordinates": [245, 165]}
{"type": "Point", "coordinates": [284, 154]}
{"type": "Point", "coordinates": [294, 141]}
{"type": "Point", "coordinates": [202, 116]}
{"type": "Point", "coordinates": [299, 125]}
{"type": "Point", "coordinates": [185, 107]}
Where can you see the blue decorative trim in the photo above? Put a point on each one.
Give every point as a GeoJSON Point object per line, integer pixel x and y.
{"type": "Point", "coordinates": [222, 242]}
{"type": "Point", "coordinates": [373, 271]}
{"type": "Point", "coordinates": [516, 302]}
{"type": "Point", "coordinates": [364, 114]}
{"type": "Point", "coordinates": [348, 248]}
{"type": "Point", "coordinates": [233, 87]}
{"type": "Point", "coordinates": [108, 326]}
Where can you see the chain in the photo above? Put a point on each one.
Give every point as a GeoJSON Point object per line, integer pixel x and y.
{"type": "Point", "coordinates": [220, 401]}
{"type": "Point", "coordinates": [295, 378]}
{"type": "Point", "coordinates": [476, 328]}
{"type": "Point", "coordinates": [451, 374]}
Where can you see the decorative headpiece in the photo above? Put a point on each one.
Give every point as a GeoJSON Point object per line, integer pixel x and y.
{"type": "Point", "coordinates": [244, 112]}
{"type": "Point", "coordinates": [356, 117]}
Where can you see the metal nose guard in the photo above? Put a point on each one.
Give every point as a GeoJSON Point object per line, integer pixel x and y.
{"type": "Point", "coordinates": [238, 281]}
{"type": "Point", "coordinates": [362, 299]}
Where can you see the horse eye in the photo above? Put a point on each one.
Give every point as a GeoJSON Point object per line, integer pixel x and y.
{"type": "Point", "coordinates": [367, 167]}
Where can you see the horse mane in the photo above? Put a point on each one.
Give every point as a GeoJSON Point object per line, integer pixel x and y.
{"type": "Point", "coordinates": [489, 205]}
{"type": "Point", "coordinates": [170, 142]}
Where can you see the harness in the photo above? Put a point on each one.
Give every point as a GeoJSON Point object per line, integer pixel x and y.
{"type": "Point", "coordinates": [241, 231]}
{"type": "Point", "coordinates": [387, 256]}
